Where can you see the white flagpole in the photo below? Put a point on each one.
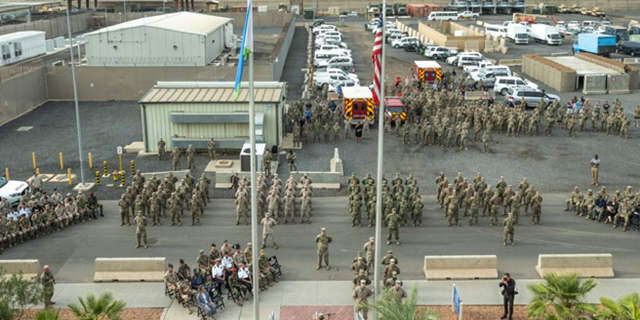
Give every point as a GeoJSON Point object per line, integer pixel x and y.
{"type": "Point", "coordinates": [379, 213]}
{"type": "Point", "coordinates": [254, 200]}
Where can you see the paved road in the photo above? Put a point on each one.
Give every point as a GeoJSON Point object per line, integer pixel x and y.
{"type": "Point", "coordinates": [72, 252]}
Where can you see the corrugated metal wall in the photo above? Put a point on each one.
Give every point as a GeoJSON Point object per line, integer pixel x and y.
{"type": "Point", "coordinates": [156, 122]}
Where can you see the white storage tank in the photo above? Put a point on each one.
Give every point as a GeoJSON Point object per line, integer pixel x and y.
{"type": "Point", "coordinates": [58, 42]}
{"type": "Point", "coordinates": [50, 45]}
{"type": "Point", "coordinates": [19, 46]}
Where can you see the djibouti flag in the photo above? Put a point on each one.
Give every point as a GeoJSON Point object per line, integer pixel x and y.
{"type": "Point", "coordinates": [246, 48]}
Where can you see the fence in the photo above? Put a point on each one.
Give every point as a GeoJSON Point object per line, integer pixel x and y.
{"type": "Point", "coordinates": [54, 27]}
{"type": "Point", "coordinates": [23, 88]}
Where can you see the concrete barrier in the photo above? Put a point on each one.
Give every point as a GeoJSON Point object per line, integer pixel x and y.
{"type": "Point", "coordinates": [461, 267]}
{"type": "Point", "coordinates": [29, 268]}
{"type": "Point", "coordinates": [585, 265]}
{"type": "Point", "coordinates": [511, 62]}
{"type": "Point", "coordinates": [129, 269]}
{"type": "Point", "coordinates": [477, 95]}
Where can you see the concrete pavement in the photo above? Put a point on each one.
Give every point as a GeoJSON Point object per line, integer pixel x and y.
{"type": "Point", "coordinates": [71, 253]}
{"type": "Point", "coordinates": [323, 294]}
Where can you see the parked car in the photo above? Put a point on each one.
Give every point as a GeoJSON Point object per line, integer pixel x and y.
{"type": "Point", "coordinates": [12, 190]}
{"type": "Point", "coordinates": [393, 37]}
{"type": "Point", "coordinates": [344, 63]}
{"type": "Point", "coordinates": [335, 85]}
{"type": "Point", "coordinates": [531, 96]}
{"type": "Point", "coordinates": [468, 15]}
{"type": "Point", "coordinates": [503, 84]}
{"type": "Point", "coordinates": [438, 52]}
{"type": "Point", "coordinates": [629, 47]}
{"type": "Point", "coordinates": [400, 43]}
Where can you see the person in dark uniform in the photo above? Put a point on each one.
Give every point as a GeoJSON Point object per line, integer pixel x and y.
{"type": "Point", "coordinates": [359, 128]}
{"type": "Point", "coordinates": [508, 293]}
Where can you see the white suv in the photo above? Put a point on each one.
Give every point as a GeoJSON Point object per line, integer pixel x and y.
{"type": "Point", "coordinates": [404, 41]}
{"type": "Point", "coordinates": [503, 84]}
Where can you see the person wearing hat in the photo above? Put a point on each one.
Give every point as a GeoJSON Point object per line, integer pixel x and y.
{"type": "Point", "coordinates": [186, 293]}
{"type": "Point", "coordinates": [267, 230]}
{"type": "Point", "coordinates": [323, 241]}
{"type": "Point", "coordinates": [398, 292]}
{"type": "Point", "coordinates": [387, 258]}
{"type": "Point", "coordinates": [236, 287]}
{"type": "Point", "coordinates": [203, 262]}
{"type": "Point", "coordinates": [270, 273]}
{"type": "Point", "coordinates": [390, 282]}
{"type": "Point", "coordinates": [359, 277]}
{"type": "Point", "coordinates": [141, 230]}
{"type": "Point", "coordinates": [509, 229]}
{"type": "Point", "coordinates": [390, 268]}
{"type": "Point", "coordinates": [93, 206]}
{"type": "Point", "coordinates": [361, 296]}
{"type": "Point", "coordinates": [226, 248]}
{"type": "Point", "coordinates": [184, 271]}
{"type": "Point", "coordinates": [213, 254]}
{"type": "Point", "coordinates": [170, 279]}
{"type": "Point", "coordinates": [359, 265]}
{"type": "Point", "coordinates": [248, 254]}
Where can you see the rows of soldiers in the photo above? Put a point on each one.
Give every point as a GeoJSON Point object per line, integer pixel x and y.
{"type": "Point", "coordinates": [281, 200]}
{"type": "Point", "coordinates": [154, 197]}
{"type": "Point", "coordinates": [600, 206]}
{"type": "Point", "coordinates": [229, 267]}
{"type": "Point", "coordinates": [39, 214]}
{"type": "Point", "coordinates": [362, 266]}
{"type": "Point", "coordinates": [476, 198]}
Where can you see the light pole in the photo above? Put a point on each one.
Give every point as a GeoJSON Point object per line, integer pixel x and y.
{"type": "Point", "coordinates": [75, 97]}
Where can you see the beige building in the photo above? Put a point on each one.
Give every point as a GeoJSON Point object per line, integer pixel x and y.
{"type": "Point", "coordinates": [190, 113]}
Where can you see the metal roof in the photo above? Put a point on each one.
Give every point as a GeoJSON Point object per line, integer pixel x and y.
{"type": "Point", "coordinates": [200, 94]}
{"type": "Point", "coordinates": [20, 35]}
{"type": "Point", "coordinates": [583, 67]}
{"type": "Point", "coordinates": [357, 92]}
{"type": "Point", "coordinates": [184, 21]}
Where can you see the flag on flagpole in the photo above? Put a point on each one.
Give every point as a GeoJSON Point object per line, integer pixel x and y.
{"type": "Point", "coordinates": [246, 48]}
{"type": "Point", "coordinates": [377, 63]}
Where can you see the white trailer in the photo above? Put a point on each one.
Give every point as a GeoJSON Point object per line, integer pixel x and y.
{"type": "Point", "coordinates": [517, 33]}
{"type": "Point", "coordinates": [23, 45]}
{"type": "Point", "coordinates": [546, 34]}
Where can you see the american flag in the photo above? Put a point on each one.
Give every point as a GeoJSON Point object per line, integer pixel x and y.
{"type": "Point", "coordinates": [377, 63]}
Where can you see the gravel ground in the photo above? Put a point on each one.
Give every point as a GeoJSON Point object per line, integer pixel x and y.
{"type": "Point", "coordinates": [127, 314]}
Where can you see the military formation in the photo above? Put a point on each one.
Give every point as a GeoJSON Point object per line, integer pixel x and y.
{"type": "Point", "coordinates": [39, 214]}
{"type": "Point", "coordinates": [227, 268]}
{"type": "Point", "coordinates": [284, 202]}
{"type": "Point", "coordinates": [362, 266]}
{"type": "Point", "coordinates": [617, 209]}
{"type": "Point", "coordinates": [321, 123]}
{"type": "Point", "coordinates": [401, 203]}
{"type": "Point", "coordinates": [190, 152]}
{"type": "Point", "coordinates": [157, 198]}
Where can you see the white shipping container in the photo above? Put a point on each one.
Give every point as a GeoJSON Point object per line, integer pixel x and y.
{"type": "Point", "coordinates": [58, 42]}
{"type": "Point", "coordinates": [19, 46]}
{"type": "Point", "coordinates": [50, 45]}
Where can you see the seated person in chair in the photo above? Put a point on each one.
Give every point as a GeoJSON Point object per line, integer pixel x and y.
{"type": "Point", "coordinates": [171, 280]}
{"type": "Point", "coordinates": [245, 277]}
{"type": "Point", "coordinates": [205, 304]}
{"type": "Point", "coordinates": [186, 294]}
{"type": "Point", "coordinates": [611, 209]}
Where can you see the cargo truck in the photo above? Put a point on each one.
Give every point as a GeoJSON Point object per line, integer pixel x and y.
{"type": "Point", "coordinates": [427, 71]}
{"type": "Point", "coordinates": [358, 105]}
{"type": "Point", "coordinates": [546, 34]}
{"type": "Point", "coordinates": [600, 44]}
{"type": "Point", "coordinates": [517, 33]}
{"type": "Point", "coordinates": [400, 9]}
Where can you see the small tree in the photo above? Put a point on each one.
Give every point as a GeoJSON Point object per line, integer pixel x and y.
{"type": "Point", "coordinates": [102, 308]}
{"type": "Point", "coordinates": [561, 297]}
{"type": "Point", "coordinates": [48, 314]}
{"type": "Point", "coordinates": [626, 308]}
{"type": "Point", "coordinates": [17, 294]}
{"type": "Point", "coordinates": [390, 308]}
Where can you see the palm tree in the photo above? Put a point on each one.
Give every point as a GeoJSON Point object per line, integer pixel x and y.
{"type": "Point", "coordinates": [388, 307]}
{"type": "Point", "coordinates": [561, 297]}
{"type": "Point", "coordinates": [626, 308]}
{"type": "Point", "coordinates": [102, 308]}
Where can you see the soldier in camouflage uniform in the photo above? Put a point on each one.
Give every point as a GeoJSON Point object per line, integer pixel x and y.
{"type": "Point", "coordinates": [536, 208]}
{"type": "Point", "coordinates": [417, 212]}
{"type": "Point", "coordinates": [393, 221]}
{"type": "Point", "coordinates": [509, 230]}
{"type": "Point", "coordinates": [473, 204]}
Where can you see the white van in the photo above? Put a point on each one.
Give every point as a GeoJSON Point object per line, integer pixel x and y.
{"type": "Point", "coordinates": [494, 30]}
{"type": "Point", "coordinates": [466, 61]}
{"type": "Point", "coordinates": [443, 15]}
{"type": "Point", "coordinates": [320, 57]}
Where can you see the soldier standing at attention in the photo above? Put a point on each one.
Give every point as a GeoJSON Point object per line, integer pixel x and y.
{"type": "Point", "coordinates": [267, 231]}
{"type": "Point", "coordinates": [291, 159]}
{"type": "Point", "coordinates": [509, 229]}
{"type": "Point", "coordinates": [361, 296]}
{"type": "Point", "coordinates": [595, 167]}
{"type": "Point", "coordinates": [393, 221]}
{"type": "Point", "coordinates": [161, 150]}
{"type": "Point", "coordinates": [536, 208]}
{"type": "Point", "coordinates": [48, 281]}
{"type": "Point", "coordinates": [211, 148]}
{"type": "Point", "coordinates": [123, 204]}
{"type": "Point", "coordinates": [191, 158]}
{"type": "Point", "coordinates": [347, 128]}
{"type": "Point", "coordinates": [266, 163]}
{"type": "Point", "coordinates": [370, 249]}
{"type": "Point", "coordinates": [323, 241]}
{"type": "Point", "coordinates": [141, 230]}
{"type": "Point", "coordinates": [175, 158]}
{"type": "Point", "coordinates": [336, 133]}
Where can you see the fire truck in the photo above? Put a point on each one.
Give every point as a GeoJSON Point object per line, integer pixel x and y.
{"type": "Point", "coordinates": [358, 105]}
{"type": "Point", "coordinates": [395, 109]}
{"type": "Point", "coordinates": [427, 71]}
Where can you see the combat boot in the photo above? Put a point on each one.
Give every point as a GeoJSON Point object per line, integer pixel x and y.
{"type": "Point", "coordinates": [504, 244]}
{"type": "Point", "coordinates": [137, 246]}
{"type": "Point", "coordinates": [397, 243]}
{"type": "Point", "coordinates": [388, 242]}
{"type": "Point", "coordinates": [513, 243]}
{"type": "Point", "coordinates": [275, 247]}
{"type": "Point", "coordinates": [146, 246]}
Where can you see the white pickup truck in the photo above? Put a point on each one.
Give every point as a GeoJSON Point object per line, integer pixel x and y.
{"type": "Point", "coordinates": [331, 74]}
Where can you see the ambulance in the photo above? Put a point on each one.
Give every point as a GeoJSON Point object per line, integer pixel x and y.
{"type": "Point", "coordinates": [427, 71]}
{"type": "Point", "coordinates": [358, 104]}
{"type": "Point", "coordinates": [395, 109]}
